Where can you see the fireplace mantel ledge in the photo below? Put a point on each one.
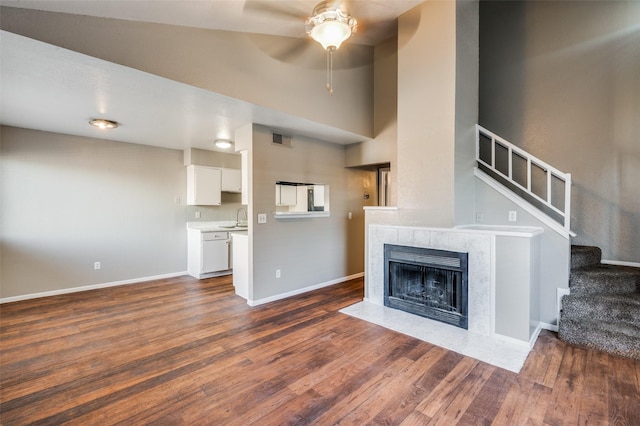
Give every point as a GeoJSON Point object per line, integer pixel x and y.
{"type": "Point", "coordinates": [510, 231]}
{"type": "Point", "coordinates": [391, 208]}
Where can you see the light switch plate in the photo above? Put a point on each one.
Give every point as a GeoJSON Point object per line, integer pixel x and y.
{"type": "Point", "coordinates": [262, 218]}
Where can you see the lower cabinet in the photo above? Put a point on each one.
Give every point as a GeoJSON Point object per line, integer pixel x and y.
{"type": "Point", "coordinates": [208, 253]}
{"type": "Point", "coordinates": [241, 264]}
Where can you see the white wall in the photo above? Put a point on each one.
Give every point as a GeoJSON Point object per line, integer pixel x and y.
{"type": "Point", "coordinates": [68, 202]}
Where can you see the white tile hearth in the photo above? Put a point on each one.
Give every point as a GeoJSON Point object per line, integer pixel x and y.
{"type": "Point", "coordinates": [479, 247]}
{"type": "Point", "coordinates": [492, 350]}
{"type": "Point", "coordinates": [480, 341]}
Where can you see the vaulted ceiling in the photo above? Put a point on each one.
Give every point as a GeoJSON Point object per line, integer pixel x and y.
{"type": "Point", "coordinates": [185, 116]}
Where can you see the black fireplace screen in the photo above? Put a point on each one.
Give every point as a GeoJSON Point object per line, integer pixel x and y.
{"type": "Point", "coordinates": [427, 282]}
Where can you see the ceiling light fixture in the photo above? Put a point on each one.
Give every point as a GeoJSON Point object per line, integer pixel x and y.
{"type": "Point", "coordinates": [223, 143]}
{"type": "Point", "coordinates": [330, 25]}
{"type": "Point", "coordinates": [103, 124]}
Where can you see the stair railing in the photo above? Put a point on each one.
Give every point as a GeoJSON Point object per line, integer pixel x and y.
{"type": "Point", "coordinates": [488, 160]}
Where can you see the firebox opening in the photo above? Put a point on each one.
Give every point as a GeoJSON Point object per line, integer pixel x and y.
{"type": "Point", "coordinates": [427, 282]}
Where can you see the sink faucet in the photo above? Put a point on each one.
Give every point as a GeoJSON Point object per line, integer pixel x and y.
{"type": "Point", "coordinates": [241, 215]}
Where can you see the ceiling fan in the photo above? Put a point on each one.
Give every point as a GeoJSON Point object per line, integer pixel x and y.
{"type": "Point", "coordinates": [330, 23]}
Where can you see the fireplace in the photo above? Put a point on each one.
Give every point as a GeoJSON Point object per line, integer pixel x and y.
{"type": "Point", "coordinates": [427, 282]}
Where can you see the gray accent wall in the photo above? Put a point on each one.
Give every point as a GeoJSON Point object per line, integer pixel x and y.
{"type": "Point", "coordinates": [308, 251]}
{"type": "Point", "coordinates": [562, 80]}
{"type": "Point", "coordinates": [69, 201]}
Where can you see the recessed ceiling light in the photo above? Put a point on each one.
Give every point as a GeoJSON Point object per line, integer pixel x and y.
{"type": "Point", "coordinates": [101, 123]}
{"type": "Point", "coordinates": [223, 143]}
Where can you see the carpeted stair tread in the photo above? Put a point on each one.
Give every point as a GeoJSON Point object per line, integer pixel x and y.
{"type": "Point", "coordinates": [603, 307]}
{"type": "Point", "coordinates": [605, 279]}
{"type": "Point", "coordinates": [582, 256]}
{"type": "Point", "coordinates": [616, 338]}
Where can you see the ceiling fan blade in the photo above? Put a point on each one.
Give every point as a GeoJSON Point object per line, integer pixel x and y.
{"type": "Point", "coordinates": [302, 51]}
{"type": "Point", "coordinates": [285, 49]}
{"type": "Point", "coordinates": [273, 10]}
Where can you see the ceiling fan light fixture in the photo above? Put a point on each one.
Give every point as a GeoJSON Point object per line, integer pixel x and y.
{"type": "Point", "coordinates": [103, 124]}
{"type": "Point", "coordinates": [223, 143]}
{"type": "Point", "coordinates": [330, 25]}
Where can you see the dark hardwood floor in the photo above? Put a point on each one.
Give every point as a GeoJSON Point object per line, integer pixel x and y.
{"type": "Point", "coordinates": [184, 351]}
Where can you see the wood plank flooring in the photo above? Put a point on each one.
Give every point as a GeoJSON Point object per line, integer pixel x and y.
{"type": "Point", "coordinates": [187, 351]}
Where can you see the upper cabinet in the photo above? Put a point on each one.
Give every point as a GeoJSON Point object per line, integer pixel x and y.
{"type": "Point", "coordinates": [294, 200]}
{"type": "Point", "coordinates": [204, 185]}
{"type": "Point", "coordinates": [286, 195]}
{"type": "Point", "coordinates": [231, 180]}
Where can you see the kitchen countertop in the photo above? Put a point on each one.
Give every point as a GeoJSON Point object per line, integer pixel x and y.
{"type": "Point", "coordinates": [216, 226]}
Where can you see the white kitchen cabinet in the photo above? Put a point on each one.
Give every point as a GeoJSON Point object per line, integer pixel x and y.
{"type": "Point", "coordinates": [241, 264]}
{"type": "Point", "coordinates": [286, 195]}
{"type": "Point", "coordinates": [318, 196]}
{"type": "Point", "coordinates": [231, 180]}
{"type": "Point", "coordinates": [208, 253]}
{"type": "Point", "coordinates": [204, 186]}
{"type": "Point", "coordinates": [244, 171]}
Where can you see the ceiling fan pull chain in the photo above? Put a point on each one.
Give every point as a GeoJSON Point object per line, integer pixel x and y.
{"type": "Point", "coordinates": [330, 71]}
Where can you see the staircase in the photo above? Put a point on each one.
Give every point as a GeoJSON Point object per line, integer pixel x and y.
{"type": "Point", "coordinates": [603, 310]}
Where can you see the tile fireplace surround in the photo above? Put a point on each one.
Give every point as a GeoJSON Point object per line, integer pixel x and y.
{"type": "Point", "coordinates": [480, 341]}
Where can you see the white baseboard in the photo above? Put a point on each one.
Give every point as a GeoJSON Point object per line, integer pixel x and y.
{"type": "Point", "coordinates": [550, 327]}
{"type": "Point", "coordinates": [89, 287]}
{"type": "Point", "coordinates": [621, 263]}
{"type": "Point", "coordinates": [514, 341]}
{"type": "Point", "coordinates": [303, 290]}
{"type": "Point", "coordinates": [535, 335]}
{"type": "Point", "coordinates": [560, 292]}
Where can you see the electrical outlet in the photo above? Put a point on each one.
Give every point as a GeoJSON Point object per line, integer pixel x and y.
{"type": "Point", "coordinates": [479, 217]}
{"type": "Point", "coordinates": [513, 216]}
{"type": "Point", "coordinates": [350, 215]}
{"type": "Point", "coordinates": [197, 215]}
{"type": "Point", "coordinates": [97, 265]}
{"type": "Point", "coordinates": [277, 273]}
{"type": "Point", "coordinates": [262, 218]}
{"type": "Point", "coordinates": [176, 199]}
